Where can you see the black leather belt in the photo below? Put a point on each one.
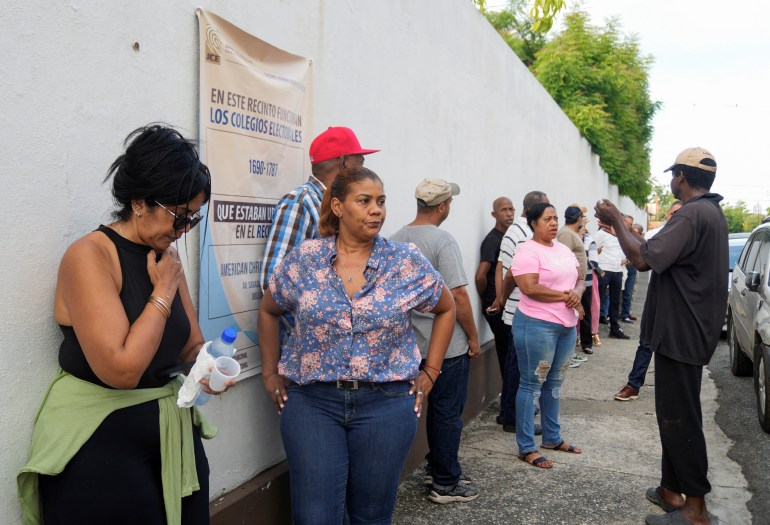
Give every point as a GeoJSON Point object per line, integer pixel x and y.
{"type": "Point", "coordinates": [354, 384]}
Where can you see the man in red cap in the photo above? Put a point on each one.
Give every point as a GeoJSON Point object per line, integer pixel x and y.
{"type": "Point", "coordinates": [296, 214]}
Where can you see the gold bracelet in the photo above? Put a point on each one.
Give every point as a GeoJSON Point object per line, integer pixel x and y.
{"type": "Point", "coordinates": [162, 301]}
{"type": "Point", "coordinates": [160, 306]}
{"type": "Point", "coordinates": [166, 306]}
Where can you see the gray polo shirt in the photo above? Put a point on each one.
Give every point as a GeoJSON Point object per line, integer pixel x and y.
{"type": "Point", "coordinates": [442, 251]}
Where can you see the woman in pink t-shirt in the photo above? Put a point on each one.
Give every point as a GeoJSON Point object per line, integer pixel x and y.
{"type": "Point", "coordinates": [544, 334]}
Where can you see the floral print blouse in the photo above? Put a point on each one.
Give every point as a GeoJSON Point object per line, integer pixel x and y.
{"type": "Point", "coordinates": [368, 337]}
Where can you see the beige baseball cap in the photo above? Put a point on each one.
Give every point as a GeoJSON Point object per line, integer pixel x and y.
{"type": "Point", "coordinates": [696, 158]}
{"type": "Point", "coordinates": [432, 192]}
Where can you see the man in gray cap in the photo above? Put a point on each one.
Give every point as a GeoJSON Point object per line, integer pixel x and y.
{"type": "Point", "coordinates": [682, 321]}
{"type": "Point", "coordinates": [447, 399]}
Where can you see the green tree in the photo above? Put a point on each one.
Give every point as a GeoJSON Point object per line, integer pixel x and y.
{"type": "Point", "coordinates": [600, 80]}
{"type": "Point", "coordinates": [543, 12]}
{"type": "Point", "coordinates": [740, 218]}
{"type": "Point", "coordinates": [541, 15]}
{"type": "Point", "coordinates": [664, 198]}
{"type": "Point", "coordinates": [751, 221]}
{"type": "Point", "coordinates": [736, 215]}
{"type": "Point", "coordinates": [516, 27]}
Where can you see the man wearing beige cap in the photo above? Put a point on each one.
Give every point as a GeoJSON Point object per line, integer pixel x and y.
{"type": "Point", "coordinates": [682, 321]}
{"type": "Point", "coordinates": [447, 399]}
{"type": "Point", "coordinates": [296, 214]}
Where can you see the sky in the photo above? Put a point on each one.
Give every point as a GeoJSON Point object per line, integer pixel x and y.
{"type": "Point", "coordinates": [711, 72]}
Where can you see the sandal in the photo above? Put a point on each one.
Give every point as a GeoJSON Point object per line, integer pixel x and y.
{"type": "Point", "coordinates": [536, 462]}
{"type": "Point", "coordinates": [571, 449]}
{"type": "Point", "coordinates": [653, 496]}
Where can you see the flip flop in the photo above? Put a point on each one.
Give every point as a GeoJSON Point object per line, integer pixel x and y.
{"type": "Point", "coordinates": [674, 517]}
{"type": "Point", "coordinates": [571, 449]}
{"type": "Point", "coordinates": [653, 496]}
{"type": "Point", "coordinates": [535, 462]}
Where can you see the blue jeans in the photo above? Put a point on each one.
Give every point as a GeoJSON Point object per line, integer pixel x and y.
{"type": "Point", "coordinates": [604, 302]}
{"type": "Point", "coordinates": [628, 291]}
{"type": "Point", "coordinates": [444, 422]}
{"type": "Point", "coordinates": [544, 351]}
{"type": "Point", "coordinates": [511, 380]}
{"type": "Point", "coordinates": [641, 364]}
{"type": "Point", "coordinates": [346, 449]}
{"type": "Point", "coordinates": [610, 291]}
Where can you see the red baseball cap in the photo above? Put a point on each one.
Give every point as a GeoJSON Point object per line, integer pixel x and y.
{"type": "Point", "coordinates": [335, 142]}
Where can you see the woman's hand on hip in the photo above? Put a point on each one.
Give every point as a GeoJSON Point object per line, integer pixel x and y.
{"type": "Point", "coordinates": [275, 386]}
{"type": "Point", "coordinates": [421, 387]}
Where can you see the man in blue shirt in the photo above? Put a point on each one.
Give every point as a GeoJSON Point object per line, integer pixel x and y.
{"type": "Point", "coordinates": [296, 214]}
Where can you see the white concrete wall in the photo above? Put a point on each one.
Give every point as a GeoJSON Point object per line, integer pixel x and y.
{"type": "Point", "coordinates": [430, 83]}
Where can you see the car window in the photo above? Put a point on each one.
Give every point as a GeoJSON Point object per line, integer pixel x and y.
{"type": "Point", "coordinates": [749, 260]}
{"type": "Point", "coordinates": [763, 253]}
{"type": "Point", "coordinates": [735, 249]}
{"type": "Point", "coordinates": [744, 256]}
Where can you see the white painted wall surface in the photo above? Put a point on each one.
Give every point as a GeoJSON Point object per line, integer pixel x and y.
{"type": "Point", "coordinates": [430, 83]}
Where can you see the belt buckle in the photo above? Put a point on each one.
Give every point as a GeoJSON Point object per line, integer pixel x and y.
{"type": "Point", "coordinates": [347, 384]}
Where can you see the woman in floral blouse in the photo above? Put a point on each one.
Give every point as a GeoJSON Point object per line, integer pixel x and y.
{"type": "Point", "coordinates": [348, 384]}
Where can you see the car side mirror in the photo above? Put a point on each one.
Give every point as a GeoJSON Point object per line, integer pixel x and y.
{"type": "Point", "coordinates": [752, 281]}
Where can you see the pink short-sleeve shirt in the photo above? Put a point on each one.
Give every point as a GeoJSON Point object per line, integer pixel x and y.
{"type": "Point", "coordinates": [557, 268]}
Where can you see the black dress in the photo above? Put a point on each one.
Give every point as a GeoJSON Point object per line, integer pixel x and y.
{"type": "Point", "coordinates": [116, 476]}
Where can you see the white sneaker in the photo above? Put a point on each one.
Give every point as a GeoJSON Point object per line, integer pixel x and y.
{"type": "Point", "coordinates": [459, 493]}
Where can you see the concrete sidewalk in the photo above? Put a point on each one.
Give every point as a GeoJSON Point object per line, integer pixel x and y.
{"type": "Point", "coordinates": [605, 484]}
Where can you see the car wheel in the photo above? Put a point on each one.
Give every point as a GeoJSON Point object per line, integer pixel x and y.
{"type": "Point", "coordinates": [762, 387]}
{"type": "Point", "coordinates": [740, 364]}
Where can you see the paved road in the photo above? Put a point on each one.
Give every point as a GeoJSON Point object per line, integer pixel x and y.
{"type": "Point", "coordinates": [605, 484]}
{"type": "Point", "coordinates": [737, 417]}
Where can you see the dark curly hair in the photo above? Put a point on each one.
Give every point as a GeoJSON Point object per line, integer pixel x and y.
{"type": "Point", "coordinates": [159, 164]}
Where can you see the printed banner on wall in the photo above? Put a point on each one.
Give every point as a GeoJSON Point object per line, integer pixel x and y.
{"type": "Point", "coordinates": [254, 129]}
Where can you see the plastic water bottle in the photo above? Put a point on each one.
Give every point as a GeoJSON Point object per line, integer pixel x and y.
{"type": "Point", "coordinates": [221, 346]}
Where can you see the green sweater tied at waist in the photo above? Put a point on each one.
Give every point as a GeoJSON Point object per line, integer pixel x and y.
{"type": "Point", "coordinates": [71, 412]}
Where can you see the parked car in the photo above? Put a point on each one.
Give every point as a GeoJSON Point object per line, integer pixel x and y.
{"type": "Point", "coordinates": [748, 318]}
{"type": "Point", "coordinates": [736, 243]}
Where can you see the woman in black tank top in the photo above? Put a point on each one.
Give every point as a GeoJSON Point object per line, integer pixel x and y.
{"type": "Point", "coordinates": [126, 314]}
